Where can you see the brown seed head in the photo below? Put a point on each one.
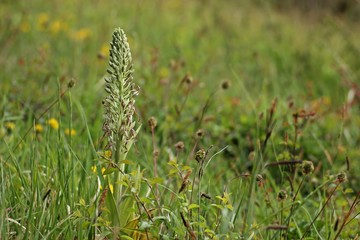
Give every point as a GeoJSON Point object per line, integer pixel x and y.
{"type": "Point", "coordinates": [259, 178]}
{"type": "Point", "coordinates": [307, 167]}
{"type": "Point", "coordinates": [282, 195]}
{"type": "Point", "coordinates": [187, 79]}
{"type": "Point", "coordinates": [156, 153]}
{"type": "Point", "coordinates": [199, 134]}
{"type": "Point", "coordinates": [341, 177]}
{"type": "Point", "coordinates": [225, 84]}
{"type": "Point", "coordinates": [200, 155]}
{"type": "Point", "coordinates": [152, 122]}
{"type": "Point", "coordinates": [179, 146]}
{"type": "Point", "coordinates": [71, 83]}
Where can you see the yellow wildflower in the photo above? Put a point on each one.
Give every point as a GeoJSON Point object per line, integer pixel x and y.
{"type": "Point", "coordinates": [111, 187]}
{"type": "Point", "coordinates": [10, 126]}
{"type": "Point", "coordinates": [104, 50]}
{"type": "Point", "coordinates": [25, 26]}
{"type": "Point", "coordinates": [94, 169]}
{"type": "Point", "coordinates": [55, 27]}
{"type": "Point", "coordinates": [43, 21]}
{"type": "Point", "coordinates": [53, 123]}
{"type": "Point", "coordinates": [82, 34]}
{"type": "Point", "coordinates": [70, 132]}
{"type": "Point", "coordinates": [108, 154]}
{"type": "Point", "coordinates": [327, 100]}
{"type": "Point", "coordinates": [103, 170]}
{"type": "Point", "coordinates": [163, 72]}
{"type": "Point", "coordinates": [39, 128]}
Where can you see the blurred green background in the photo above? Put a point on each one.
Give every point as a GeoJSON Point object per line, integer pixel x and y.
{"type": "Point", "coordinates": [305, 54]}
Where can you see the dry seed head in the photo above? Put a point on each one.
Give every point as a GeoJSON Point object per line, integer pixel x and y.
{"type": "Point", "coordinates": [205, 195]}
{"type": "Point", "coordinates": [259, 178]}
{"type": "Point", "coordinates": [152, 122]}
{"type": "Point", "coordinates": [179, 146]}
{"type": "Point", "coordinates": [156, 153]}
{"type": "Point", "coordinates": [341, 177]}
{"type": "Point", "coordinates": [282, 195]}
{"type": "Point", "coordinates": [307, 167]}
{"type": "Point", "coordinates": [199, 134]}
{"type": "Point", "coordinates": [200, 155]}
{"type": "Point", "coordinates": [184, 184]}
{"type": "Point", "coordinates": [261, 115]}
{"type": "Point", "coordinates": [71, 83]}
{"type": "Point", "coordinates": [225, 84]}
{"type": "Point", "coordinates": [187, 79]}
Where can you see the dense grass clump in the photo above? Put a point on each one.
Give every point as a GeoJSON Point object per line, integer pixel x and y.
{"type": "Point", "coordinates": [245, 125]}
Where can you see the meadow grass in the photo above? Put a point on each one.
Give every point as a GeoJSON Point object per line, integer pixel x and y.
{"type": "Point", "coordinates": [250, 122]}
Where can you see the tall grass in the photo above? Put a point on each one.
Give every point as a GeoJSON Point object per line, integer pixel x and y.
{"type": "Point", "coordinates": [219, 157]}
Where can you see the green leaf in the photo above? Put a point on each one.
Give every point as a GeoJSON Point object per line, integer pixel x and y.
{"type": "Point", "coordinates": [126, 237]}
{"type": "Point", "coordinates": [173, 163]}
{"type": "Point", "coordinates": [145, 200]}
{"type": "Point", "coordinates": [145, 225]}
{"type": "Point", "coordinates": [127, 162]}
{"type": "Point", "coordinates": [77, 213]}
{"type": "Point", "coordinates": [229, 206]}
{"type": "Point", "coordinates": [109, 170]}
{"type": "Point", "coordinates": [217, 206]}
{"type": "Point", "coordinates": [192, 206]}
{"type": "Point", "coordinates": [348, 190]}
{"type": "Point", "coordinates": [120, 182]}
{"type": "Point", "coordinates": [156, 180]}
{"type": "Point", "coordinates": [82, 202]}
{"type": "Point", "coordinates": [185, 168]}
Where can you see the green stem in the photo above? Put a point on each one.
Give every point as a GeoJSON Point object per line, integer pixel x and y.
{"type": "Point", "coordinates": [292, 206]}
{"type": "Point", "coordinates": [318, 214]}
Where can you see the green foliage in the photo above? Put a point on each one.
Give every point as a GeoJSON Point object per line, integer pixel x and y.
{"type": "Point", "coordinates": [219, 158]}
